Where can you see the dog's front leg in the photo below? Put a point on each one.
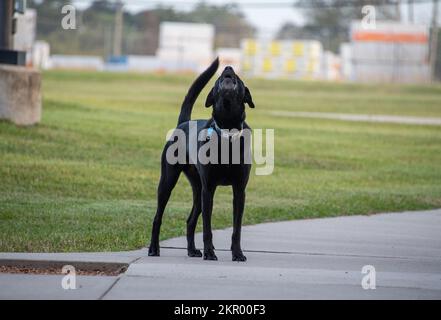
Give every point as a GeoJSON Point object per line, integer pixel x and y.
{"type": "Point", "coordinates": [207, 208]}
{"type": "Point", "coordinates": [238, 208]}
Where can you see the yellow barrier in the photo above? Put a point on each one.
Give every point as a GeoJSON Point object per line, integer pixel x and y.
{"type": "Point", "coordinates": [275, 48]}
{"type": "Point", "coordinates": [298, 49]}
{"type": "Point", "coordinates": [290, 66]}
{"type": "Point", "coordinates": [267, 65]}
{"type": "Point", "coordinates": [250, 47]}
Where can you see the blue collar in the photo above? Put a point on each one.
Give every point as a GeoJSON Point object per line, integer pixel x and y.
{"type": "Point", "coordinates": [224, 133]}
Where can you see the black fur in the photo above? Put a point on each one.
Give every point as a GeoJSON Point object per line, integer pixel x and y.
{"type": "Point", "coordinates": [228, 98]}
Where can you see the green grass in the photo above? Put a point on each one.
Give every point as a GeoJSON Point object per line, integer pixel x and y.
{"type": "Point", "coordinates": [85, 178]}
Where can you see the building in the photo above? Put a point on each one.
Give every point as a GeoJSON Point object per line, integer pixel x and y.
{"type": "Point", "coordinates": [185, 46]}
{"type": "Point", "coordinates": [392, 52]}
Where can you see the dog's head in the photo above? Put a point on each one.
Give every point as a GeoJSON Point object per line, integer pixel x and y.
{"type": "Point", "coordinates": [228, 98]}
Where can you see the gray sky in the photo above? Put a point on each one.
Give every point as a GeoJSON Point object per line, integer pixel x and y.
{"type": "Point", "coordinates": [267, 19]}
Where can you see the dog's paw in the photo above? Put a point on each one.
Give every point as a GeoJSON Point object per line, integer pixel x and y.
{"type": "Point", "coordinates": [194, 253]}
{"type": "Point", "coordinates": [239, 257]}
{"type": "Point", "coordinates": [153, 251]}
{"type": "Point", "coordinates": [209, 255]}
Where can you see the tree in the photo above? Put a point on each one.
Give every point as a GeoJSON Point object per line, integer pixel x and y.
{"type": "Point", "coordinates": [329, 20]}
{"type": "Point", "coordinates": [140, 31]}
{"type": "Point", "coordinates": [230, 24]}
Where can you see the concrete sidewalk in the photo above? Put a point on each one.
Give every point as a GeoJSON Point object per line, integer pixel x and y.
{"type": "Point", "coordinates": [305, 259]}
{"type": "Point", "coordinates": [432, 121]}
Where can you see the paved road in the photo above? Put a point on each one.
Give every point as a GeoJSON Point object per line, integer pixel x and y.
{"type": "Point", "coordinates": [306, 259]}
{"type": "Point", "coordinates": [433, 121]}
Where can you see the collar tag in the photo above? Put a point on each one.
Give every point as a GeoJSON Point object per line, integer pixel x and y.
{"type": "Point", "coordinates": [209, 132]}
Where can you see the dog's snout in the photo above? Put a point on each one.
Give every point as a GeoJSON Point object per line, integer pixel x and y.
{"type": "Point", "coordinates": [228, 72]}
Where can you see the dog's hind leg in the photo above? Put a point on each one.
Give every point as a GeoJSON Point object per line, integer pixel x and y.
{"type": "Point", "coordinates": [192, 220]}
{"type": "Point", "coordinates": [169, 177]}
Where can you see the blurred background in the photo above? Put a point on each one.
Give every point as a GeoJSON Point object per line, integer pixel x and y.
{"type": "Point", "coordinates": [88, 90]}
{"type": "Point", "coordinates": [303, 39]}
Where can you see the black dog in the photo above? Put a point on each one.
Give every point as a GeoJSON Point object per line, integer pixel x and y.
{"type": "Point", "coordinates": [228, 98]}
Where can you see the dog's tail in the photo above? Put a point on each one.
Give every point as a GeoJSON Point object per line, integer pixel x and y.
{"type": "Point", "coordinates": [195, 90]}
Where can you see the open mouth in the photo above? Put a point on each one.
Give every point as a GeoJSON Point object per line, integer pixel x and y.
{"type": "Point", "coordinates": [228, 82]}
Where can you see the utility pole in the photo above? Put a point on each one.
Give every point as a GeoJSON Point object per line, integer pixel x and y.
{"type": "Point", "coordinates": [117, 37]}
{"type": "Point", "coordinates": [410, 11]}
{"type": "Point", "coordinates": [398, 10]}
{"type": "Point", "coordinates": [434, 39]}
{"type": "Point", "coordinates": [7, 28]}
{"type": "Point", "coordinates": [6, 14]}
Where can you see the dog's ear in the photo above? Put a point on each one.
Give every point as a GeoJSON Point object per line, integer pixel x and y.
{"type": "Point", "coordinates": [248, 99]}
{"type": "Point", "coordinates": [210, 99]}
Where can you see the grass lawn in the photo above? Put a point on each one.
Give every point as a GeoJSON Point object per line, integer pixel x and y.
{"type": "Point", "coordinates": [85, 178]}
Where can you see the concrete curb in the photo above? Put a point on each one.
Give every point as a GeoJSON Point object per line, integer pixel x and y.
{"type": "Point", "coordinates": [114, 262]}
{"type": "Point", "coordinates": [106, 267]}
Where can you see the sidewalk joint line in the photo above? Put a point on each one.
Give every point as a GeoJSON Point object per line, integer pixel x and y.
{"type": "Point", "coordinates": [110, 288]}
{"type": "Point", "coordinates": [117, 279]}
{"type": "Point", "coordinates": [134, 260]}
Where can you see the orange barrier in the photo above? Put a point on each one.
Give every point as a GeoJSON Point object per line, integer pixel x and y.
{"type": "Point", "coordinates": [390, 37]}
